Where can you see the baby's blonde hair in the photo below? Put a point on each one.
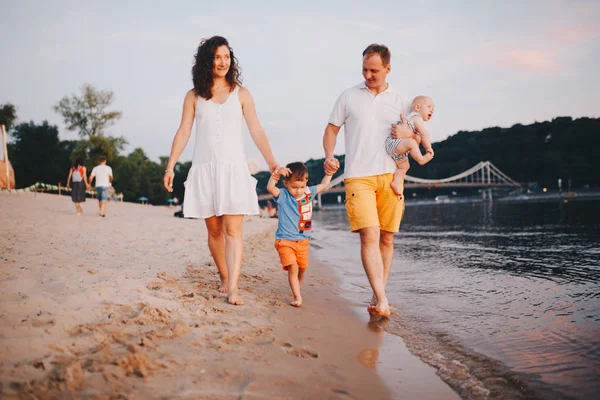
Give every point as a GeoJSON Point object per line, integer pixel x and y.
{"type": "Point", "coordinates": [418, 100]}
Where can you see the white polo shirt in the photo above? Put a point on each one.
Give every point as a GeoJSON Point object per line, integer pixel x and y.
{"type": "Point", "coordinates": [367, 119]}
{"type": "Point", "coordinates": [102, 173]}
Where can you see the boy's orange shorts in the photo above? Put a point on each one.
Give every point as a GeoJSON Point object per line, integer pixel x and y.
{"type": "Point", "coordinates": [293, 252]}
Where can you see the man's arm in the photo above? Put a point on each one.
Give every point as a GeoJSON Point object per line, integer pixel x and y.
{"type": "Point", "coordinates": [329, 140]}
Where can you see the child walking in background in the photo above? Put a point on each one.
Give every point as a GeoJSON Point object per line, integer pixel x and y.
{"type": "Point", "coordinates": [294, 204]}
{"type": "Point", "coordinates": [421, 110]}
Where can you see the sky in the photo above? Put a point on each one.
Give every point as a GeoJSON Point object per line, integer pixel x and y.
{"type": "Point", "coordinates": [485, 63]}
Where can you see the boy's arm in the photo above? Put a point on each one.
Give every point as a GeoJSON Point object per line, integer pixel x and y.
{"type": "Point", "coordinates": [424, 133]}
{"type": "Point", "coordinates": [324, 183]}
{"type": "Point", "coordinates": [272, 185]}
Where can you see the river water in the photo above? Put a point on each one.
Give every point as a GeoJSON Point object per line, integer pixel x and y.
{"type": "Point", "coordinates": [502, 297]}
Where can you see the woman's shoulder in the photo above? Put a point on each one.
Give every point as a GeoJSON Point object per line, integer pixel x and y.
{"type": "Point", "coordinates": [191, 97]}
{"type": "Point", "coordinates": [243, 93]}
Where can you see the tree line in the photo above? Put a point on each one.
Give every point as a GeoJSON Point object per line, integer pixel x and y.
{"type": "Point", "coordinates": [541, 152]}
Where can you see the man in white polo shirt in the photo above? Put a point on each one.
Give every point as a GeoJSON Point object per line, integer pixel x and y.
{"type": "Point", "coordinates": [104, 176]}
{"type": "Point", "coordinates": [367, 111]}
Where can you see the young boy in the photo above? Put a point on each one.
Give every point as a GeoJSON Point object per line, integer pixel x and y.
{"type": "Point", "coordinates": [421, 110]}
{"type": "Point", "coordinates": [292, 237]}
{"type": "Point", "coordinates": [104, 176]}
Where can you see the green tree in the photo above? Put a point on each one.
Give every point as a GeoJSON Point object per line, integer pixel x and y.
{"type": "Point", "coordinates": [138, 176]}
{"type": "Point", "coordinates": [37, 155]}
{"type": "Point", "coordinates": [86, 114]}
{"type": "Point", "coordinates": [8, 115]}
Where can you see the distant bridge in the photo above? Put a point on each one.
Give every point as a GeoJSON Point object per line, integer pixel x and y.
{"type": "Point", "coordinates": [484, 175]}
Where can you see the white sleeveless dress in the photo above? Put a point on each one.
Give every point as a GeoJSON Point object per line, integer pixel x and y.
{"type": "Point", "coordinates": [219, 181]}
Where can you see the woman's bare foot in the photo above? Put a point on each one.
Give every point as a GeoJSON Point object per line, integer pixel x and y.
{"type": "Point", "coordinates": [397, 187]}
{"type": "Point", "coordinates": [223, 287]}
{"type": "Point", "coordinates": [234, 298]}
{"type": "Point", "coordinates": [373, 300]}
{"type": "Point", "coordinates": [297, 302]}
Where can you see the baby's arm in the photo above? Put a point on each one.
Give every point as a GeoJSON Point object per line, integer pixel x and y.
{"type": "Point", "coordinates": [324, 183]}
{"type": "Point", "coordinates": [424, 133]}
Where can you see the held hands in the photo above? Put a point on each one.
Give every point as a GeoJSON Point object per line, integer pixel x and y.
{"type": "Point", "coordinates": [278, 173]}
{"type": "Point", "coordinates": [168, 180]}
{"type": "Point", "coordinates": [331, 165]}
{"type": "Point", "coordinates": [273, 166]}
{"type": "Point", "coordinates": [401, 131]}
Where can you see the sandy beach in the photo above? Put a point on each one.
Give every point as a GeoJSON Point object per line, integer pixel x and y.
{"type": "Point", "coordinates": [127, 307]}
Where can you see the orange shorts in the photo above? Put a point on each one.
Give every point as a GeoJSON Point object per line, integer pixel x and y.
{"type": "Point", "coordinates": [371, 201]}
{"type": "Point", "coordinates": [293, 252]}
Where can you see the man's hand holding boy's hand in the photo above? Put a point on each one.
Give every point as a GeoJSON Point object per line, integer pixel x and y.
{"type": "Point", "coordinates": [331, 165]}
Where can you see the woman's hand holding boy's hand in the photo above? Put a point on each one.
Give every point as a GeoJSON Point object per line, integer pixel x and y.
{"type": "Point", "coordinates": [278, 173]}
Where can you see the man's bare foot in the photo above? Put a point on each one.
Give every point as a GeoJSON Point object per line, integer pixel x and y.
{"type": "Point", "coordinates": [381, 309]}
{"type": "Point", "coordinates": [223, 287]}
{"type": "Point", "coordinates": [235, 299]}
{"type": "Point", "coordinates": [397, 187]}
{"type": "Point", "coordinates": [297, 302]}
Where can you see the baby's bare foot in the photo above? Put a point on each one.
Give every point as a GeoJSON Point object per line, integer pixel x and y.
{"type": "Point", "coordinates": [397, 187]}
{"type": "Point", "coordinates": [297, 302]}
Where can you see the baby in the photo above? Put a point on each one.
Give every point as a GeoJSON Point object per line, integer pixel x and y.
{"type": "Point", "coordinates": [421, 110]}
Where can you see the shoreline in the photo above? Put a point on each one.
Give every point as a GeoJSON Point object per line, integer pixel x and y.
{"type": "Point", "coordinates": [126, 306]}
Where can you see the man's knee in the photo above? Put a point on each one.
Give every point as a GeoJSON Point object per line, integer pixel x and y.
{"type": "Point", "coordinates": [369, 236]}
{"type": "Point", "coordinates": [386, 239]}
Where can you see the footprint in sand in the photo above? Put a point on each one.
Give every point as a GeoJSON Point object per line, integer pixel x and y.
{"type": "Point", "coordinates": [303, 352]}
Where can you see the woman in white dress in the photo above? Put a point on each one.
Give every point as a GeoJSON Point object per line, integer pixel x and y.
{"type": "Point", "coordinates": [219, 187]}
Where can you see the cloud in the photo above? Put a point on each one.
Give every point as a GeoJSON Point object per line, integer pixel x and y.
{"type": "Point", "coordinates": [574, 35]}
{"type": "Point", "coordinates": [529, 60]}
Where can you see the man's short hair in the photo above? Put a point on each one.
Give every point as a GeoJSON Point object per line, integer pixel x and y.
{"type": "Point", "coordinates": [382, 50]}
{"type": "Point", "coordinates": [101, 158]}
{"type": "Point", "coordinates": [299, 172]}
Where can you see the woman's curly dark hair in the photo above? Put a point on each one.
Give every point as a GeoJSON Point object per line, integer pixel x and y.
{"type": "Point", "coordinates": [202, 71]}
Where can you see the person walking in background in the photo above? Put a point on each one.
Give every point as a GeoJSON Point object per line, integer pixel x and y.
{"type": "Point", "coordinates": [367, 111]}
{"type": "Point", "coordinates": [104, 176]}
{"type": "Point", "coordinates": [78, 183]}
{"type": "Point", "coordinates": [219, 187]}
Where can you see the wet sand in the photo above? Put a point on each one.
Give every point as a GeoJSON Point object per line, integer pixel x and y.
{"type": "Point", "coordinates": [127, 307]}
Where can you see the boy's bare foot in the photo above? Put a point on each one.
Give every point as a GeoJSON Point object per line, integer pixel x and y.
{"type": "Point", "coordinates": [397, 187]}
{"type": "Point", "coordinates": [297, 302]}
{"type": "Point", "coordinates": [235, 299]}
{"type": "Point", "coordinates": [223, 287]}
